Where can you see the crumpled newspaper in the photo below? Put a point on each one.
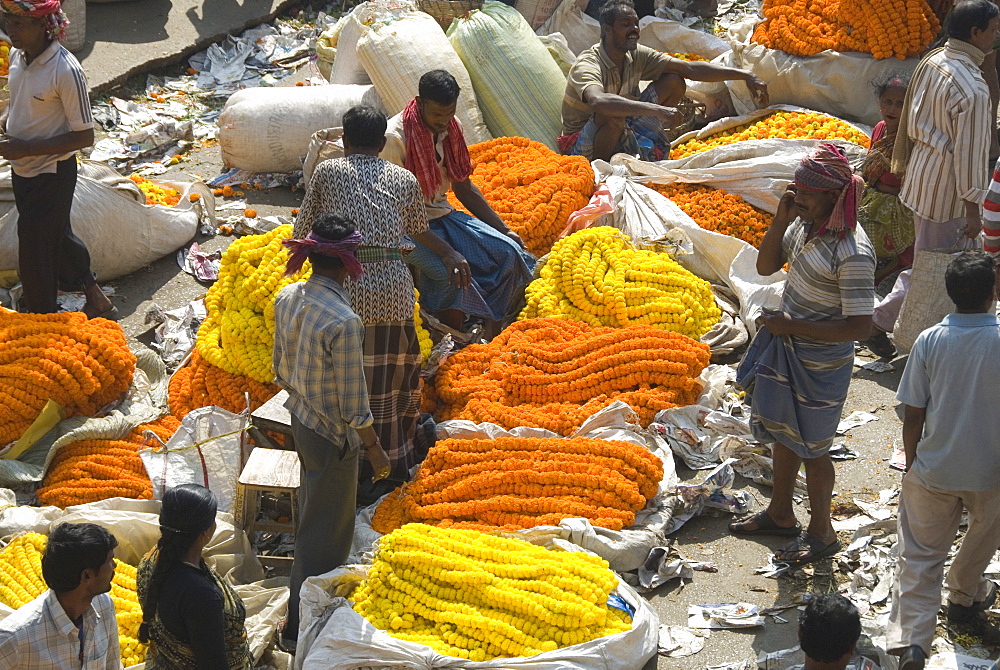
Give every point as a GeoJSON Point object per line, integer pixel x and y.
{"type": "Point", "coordinates": [696, 433]}
{"type": "Point", "coordinates": [724, 615]}
{"type": "Point", "coordinates": [666, 563]}
{"type": "Point", "coordinates": [753, 461]}
{"type": "Point", "coordinates": [203, 266]}
{"type": "Point", "coordinates": [854, 419]}
{"type": "Point", "coordinates": [716, 491]}
{"type": "Point", "coordinates": [176, 330]}
{"type": "Point", "coordinates": [680, 641]}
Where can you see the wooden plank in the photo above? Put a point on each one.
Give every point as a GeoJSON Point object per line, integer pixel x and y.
{"type": "Point", "coordinates": [271, 468]}
{"type": "Point", "coordinates": [273, 415]}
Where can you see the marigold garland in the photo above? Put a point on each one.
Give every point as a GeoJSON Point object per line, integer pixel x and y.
{"type": "Point", "coordinates": [714, 209]}
{"type": "Point", "coordinates": [779, 124]}
{"type": "Point", "coordinates": [532, 188]}
{"type": "Point", "coordinates": [596, 276]}
{"type": "Point", "coordinates": [512, 483]}
{"type": "Point", "coordinates": [238, 333]}
{"type": "Point", "coordinates": [555, 373]}
{"type": "Point", "coordinates": [21, 581]}
{"type": "Point", "coordinates": [92, 470]}
{"type": "Point", "coordinates": [4, 59]}
{"type": "Point", "coordinates": [200, 384]}
{"type": "Point", "coordinates": [423, 336]}
{"type": "Point", "coordinates": [156, 194]}
{"type": "Point", "coordinates": [467, 594]}
{"type": "Point", "coordinates": [81, 364]}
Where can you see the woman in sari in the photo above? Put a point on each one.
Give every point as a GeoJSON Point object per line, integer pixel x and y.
{"type": "Point", "coordinates": [886, 220]}
{"type": "Point", "coordinates": [191, 618]}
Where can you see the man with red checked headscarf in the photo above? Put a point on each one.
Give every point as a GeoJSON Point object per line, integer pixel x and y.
{"type": "Point", "coordinates": [798, 368]}
{"type": "Point", "coordinates": [47, 121]}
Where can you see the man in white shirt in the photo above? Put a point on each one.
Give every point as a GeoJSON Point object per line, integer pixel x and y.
{"type": "Point", "coordinates": [72, 625]}
{"type": "Point", "coordinates": [47, 122]}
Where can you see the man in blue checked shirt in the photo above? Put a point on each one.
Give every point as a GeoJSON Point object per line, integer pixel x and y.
{"type": "Point", "coordinates": [318, 359]}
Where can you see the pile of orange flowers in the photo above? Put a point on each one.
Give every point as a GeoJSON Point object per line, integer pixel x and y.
{"type": "Point", "coordinates": [555, 373]}
{"type": "Point", "coordinates": [688, 57]}
{"type": "Point", "coordinates": [81, 364]}
{"type": "Point", "coordinates": [532, 188]}
{"type": "Point", "coordinates": [4, 59]}
{"type": "Point", "coordinates": [512, 483]}
{"type": "Point", "coordinates": [92, 470]}
{"type": "Point", "coordinates": [200, 384]}
{"type": "Point", "coordinates": [901, 28]}
{"type": "Point", "coordinates": [784, 125]}
{"type": "Point", "coordinates": [156, 194]}
{"type": "Point", "coordinates": [714, 209]}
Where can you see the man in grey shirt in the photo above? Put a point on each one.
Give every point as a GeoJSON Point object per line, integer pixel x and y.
{"type": "Point", "coordinates": [952, 462]}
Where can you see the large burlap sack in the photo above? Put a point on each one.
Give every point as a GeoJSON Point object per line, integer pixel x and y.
{"type": "Point", "coordinates": [268, 129]}
{"type": "Point", "coordinates": [536, 12]}
{"type": "Point", "coordinates": [397, 54]}
{"type": "Point", "coordinates": [76, 31]}
{"type": "Point", "coordinates": [339, 44]}
{"type": "Point", "coordinates": [109, 214]}
{"type": "Point", "coordinates": [518, 84]}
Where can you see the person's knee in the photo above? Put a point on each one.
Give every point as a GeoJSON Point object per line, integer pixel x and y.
{"type": "Point", "coordinates": [609, 124]}
{"type": "Point", "coordinates": [670, 88]}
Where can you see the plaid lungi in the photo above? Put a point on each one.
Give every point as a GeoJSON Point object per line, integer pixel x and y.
{"type": "Point", "coordinates": [392, 370]}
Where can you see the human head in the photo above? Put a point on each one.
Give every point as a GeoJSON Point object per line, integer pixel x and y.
{"type": "Point", "coordinates": [890, 91]}
{"type": "Point", "coordinates": [827, 189]}
{"type": "Point", "coordinates": [188, 513]}
{"type": "Point", "coordinates": [364, 129]}
{"type": "Point", "coordinates": [437, 99]}
{"type": "Point", "coordinates": [976, 22]}
{"type": "Point", "coordinates": [619, 25]}
{"type": "Point", "coordinates": [79, 556]}
{"type": "Point", "coordinates": [829, 629]}
{"type": "Point", "coordinates": [971, 281]}
{"type": "Point", "coordinates": [332, 227]}
{"type": "Point", "coordinates": [33, 23]}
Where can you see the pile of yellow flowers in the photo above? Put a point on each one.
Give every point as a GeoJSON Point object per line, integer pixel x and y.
{"type": "Point", "coordinates": [21, 582]}
{"type": "Point", "coordinates": [4, 59]}
{"type": "Point", "coordinates": [476, 596]}
{"type": "Point", "coordinates": [238, 334]}
{"type": "Point", "coordinates": [785, 125]}
{"type": "Point", "coordinates": [422, 333]}
{"type": "Point", "coordinates": [596, 276]}
{"type": "Point", "coordinates": [156, 194]}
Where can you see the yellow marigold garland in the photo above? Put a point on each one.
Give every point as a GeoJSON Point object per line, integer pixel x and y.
{"type": "Point", "coordinates": [21, 581]}
{"type": "Point", "coordinates": [238, 334]}
{"type": "Point", "coordinates": [779, 124]}
{"type": "Point", "coordinates": [596, 276]}
{"type": "Point", "coordinates": [81, 364]}
{"type": "Point", "coordinates": [554, 373]}
{"type": "Point", "coordinates": [532, 188]}
{"type": "Point", "coordinates": [714, 209]}
{"type": "Point", "coordinates": [467, 594]}
{"type": "Point", "coordinates": [200, 384]}
{"type": "Point", "coordinates": [156, 194]}
{"type": "Point", "coordinates": [426, 344]}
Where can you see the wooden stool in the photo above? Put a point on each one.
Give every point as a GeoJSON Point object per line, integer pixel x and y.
{"type": "Point", "coordinates": [275, 417]}
{"type": "Point", "coordinates": [268, 471]}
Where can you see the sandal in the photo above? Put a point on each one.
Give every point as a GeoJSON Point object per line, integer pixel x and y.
{"type": "Point", "coordinates": [806, 542]}
{"type": "Point", "coordinates": [765, 526]}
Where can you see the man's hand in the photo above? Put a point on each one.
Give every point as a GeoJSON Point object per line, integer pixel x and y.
{"type": "Point", "coordinates": [669, 115]}
{"type": "Point", "coordinates": [786, 206]}
{"type": "Point", "coordinates": [758, 90]}
{"type": "Point", "coordinates": [973, 225]}
{"type": "Point", "coordinates": [379, 460]}
{"type": "Point", "coordinates": [459, 273]}
{"type": "Point", "coordinates": [12, 148]}
{"type": "Point", "coordinates": [514, 236]}
{"type": "Point", "coordinates": [778, 323]}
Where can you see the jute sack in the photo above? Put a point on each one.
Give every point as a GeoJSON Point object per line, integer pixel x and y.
{"type": "Point", "coordinates": [76, 31]}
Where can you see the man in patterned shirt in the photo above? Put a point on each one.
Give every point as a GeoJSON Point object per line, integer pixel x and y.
{"type": "Point", "coordinates": [72, 625]}
{"type": "Point", "coordinates": [798, 368]}
{"type": "Point", "coordinates": [318, 359]}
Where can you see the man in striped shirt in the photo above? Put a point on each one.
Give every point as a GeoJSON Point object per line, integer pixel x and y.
{"type": "Point", "coordinates": [942, 147]}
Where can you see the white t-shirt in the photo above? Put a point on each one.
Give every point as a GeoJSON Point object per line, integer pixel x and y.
{"type": "Point", "coordinates": [48, 97]}
{"type": "Point", "coordinates": [395, 152]}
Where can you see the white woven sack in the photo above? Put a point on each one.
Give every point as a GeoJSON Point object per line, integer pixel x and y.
{"type": "Point", "coordinates": [397, 54]}
{"type": "Point", "coordinates": [76, 31]}
{"type": "Point", "coordinates": [536, 12]}
{"type": "Point", "coordinates": [518, 84]}
{"type": "Point", "coordinates": [324, 145]}
{"type": "Point", "coordinates": [347, 68]}
{"type": "Point", "coordinates": [269, 129]}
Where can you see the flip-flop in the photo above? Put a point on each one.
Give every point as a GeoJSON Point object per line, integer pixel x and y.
{"type": "Point", "coordinates": [815, 546]}
{"type": "Point", "coordinates": [765, 526]}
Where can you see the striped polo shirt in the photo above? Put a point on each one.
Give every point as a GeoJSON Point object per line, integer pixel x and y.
{"type": "Point", "coordinates": [829, 278]}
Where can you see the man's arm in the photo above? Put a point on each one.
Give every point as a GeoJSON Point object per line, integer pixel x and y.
{"type": "Point", "coordinates": [472, 198]}
{"type": "Point", "coordinates": [452, 259]}
{"type": "Point", "coordinates": [771, 256]}
{"type": "Point", "coordinates": [14, 148]}
{"type": "Point", "coordinates": [705, 71]}
{"type": "Point", "coordinates": [851, 329]}
{"type": "Point", "coordinates": [913, 430]}
{"type": "Point", "coordinates": [973, 129]}
{"type": "Point", "coordinates": [610, 104]}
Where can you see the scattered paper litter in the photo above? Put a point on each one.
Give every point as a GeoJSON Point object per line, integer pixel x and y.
{"type": "Point", "coordinates": [854, 419]}
{"type": "Point", "coordinates": [679, 641]}
{"type": "Point", "coordinates": [724, 615]}
{"type": "Point", "coordinates": [873, 366]}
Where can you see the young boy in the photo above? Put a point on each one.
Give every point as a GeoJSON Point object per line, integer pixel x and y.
{"type": "Point", "coordinates": [47, 122]}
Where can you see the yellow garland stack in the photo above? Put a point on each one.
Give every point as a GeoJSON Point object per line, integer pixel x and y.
{"type": "Point", "coordinates": [596, 276]}
{"type": "Point", "coordinates": [238, 334]}
{"type": "Point", "coordinates": [480, 597]}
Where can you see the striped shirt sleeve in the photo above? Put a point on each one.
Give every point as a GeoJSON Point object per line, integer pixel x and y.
{"type": "Point", "coordinates": [74, 93]}
{"type": "Point", "coordinates": [991, 215]}
{"type": "Point", "coordinates": [972, 131]}
{"type": "Point", "coordinates": [855, 277]}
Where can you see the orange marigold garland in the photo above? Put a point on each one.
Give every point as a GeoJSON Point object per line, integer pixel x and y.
{"type": "Point", "coordinates": [511, 483]}
{"type": "Point", "coordinates": [714, 209]}
{"type": "Point", "coordinates": [554, 373]}
{"type": "Point", "coordinates": [200, 384]}
{"type": "Point", "coordinates": [81, 364]}
{"type": "Point", "coordinates": [532, 188]}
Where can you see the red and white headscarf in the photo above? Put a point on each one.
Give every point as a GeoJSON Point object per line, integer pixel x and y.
{"type": "Point", "coordinates": [827, 169]}
{"type": "Point", "coordinates": [345, 250]}
{"type": "Point", "coordinates": [50, 10]}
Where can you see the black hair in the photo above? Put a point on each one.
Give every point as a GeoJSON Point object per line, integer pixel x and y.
{"type": "Point", "coordinates": [332, 227]}
{"type": "Point", "coordinates": [438, 86]}
{"type": "Point", "coordinates": [970, 279]}
{"type": "Point", "coordinates": [187, 511]}
{"type": "Point", "coordinates": [364, 127]}
{"type": "Point", "coordinates": [969, 14]}
{"type": "Point", "coordinates": [612, 9]}
{"type": "Point", "coordinates": [829, 627]}
{"type": "Point", "coordinates": [73, 548]}
{"type": "Point", "coordinates": [889, 80]}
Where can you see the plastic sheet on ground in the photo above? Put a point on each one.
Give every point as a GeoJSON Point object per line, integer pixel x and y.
{"type": "Point", "coordinates": [332, 636]}
{"type": "Point", "coordinates": [680, 641]}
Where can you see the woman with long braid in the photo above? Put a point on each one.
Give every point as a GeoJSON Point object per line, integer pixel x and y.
{"type": "Point", "coordinates": [191, 618]}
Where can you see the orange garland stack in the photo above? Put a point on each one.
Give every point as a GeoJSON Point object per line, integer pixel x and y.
{"type": "Point", "coordinates": [512, 483]}
{"type": "Point", "coordinates": [714, 209]}
{"type": "Point", "coordinates": [200, 384]}
{"type": "Point", "coordinates": [81, 364]}
{"type": "Point", "coordinates": [554, 373]}
{"type": "Point", "coordinates": [532, 188]}
{"type": "Point", "coordinates": [92, 470]}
